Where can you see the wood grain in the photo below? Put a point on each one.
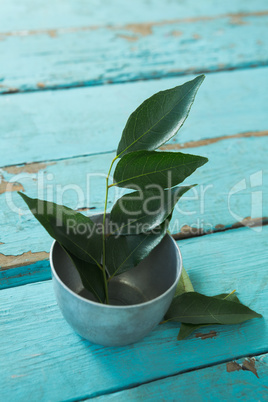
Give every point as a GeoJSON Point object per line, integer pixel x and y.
{"type": "Point", "coordinates": [97, 54]}
{"type": "Point", "coordinates": [61, 124]}
{"type": "Point", "coordinates": [39, 348]}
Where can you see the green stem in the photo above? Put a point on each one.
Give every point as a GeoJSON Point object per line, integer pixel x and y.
{"type": "Point", "coordinates": [103, 233]}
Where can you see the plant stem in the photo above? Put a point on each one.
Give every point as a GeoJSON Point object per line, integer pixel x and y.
{"type": "Point", "coordinates": [103, 232]}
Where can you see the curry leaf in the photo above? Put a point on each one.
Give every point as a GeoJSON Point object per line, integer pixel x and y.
{"type": "Point", "coordinates": [91, 276]}
{"type": "Point", "coordinates": [187, 329]}
{"type": "Point", "coordinates": [146, 168]}
{"type": "Point", "coordinates": [71, 229]}
{"type": "Point", "coordinates": [195, 308]}
{"type": "Point", "coordinates": [158, 118]}
{"type": "Point", "coordinates": [140, 212]}
{"type": "Point", "coordinates": [125, 252]}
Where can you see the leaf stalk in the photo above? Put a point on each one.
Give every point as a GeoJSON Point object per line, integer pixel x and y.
{"type": "Point", "coordinates": [103, 232]}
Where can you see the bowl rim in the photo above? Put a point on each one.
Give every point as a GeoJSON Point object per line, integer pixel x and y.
{"type": "Point", "coordinates": [114, 307]}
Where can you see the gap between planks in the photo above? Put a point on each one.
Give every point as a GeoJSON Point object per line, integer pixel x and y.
{"type": "Point", "coordinates": [33, 166]}
{"type": "Point", "coordinates": [149, 77]}
{"type": "Point", "coordinates": [201, 367]}
{"type": "Point", "coordinates": [139, 30]}
{"type": "Point", "coordinates": [28, 258]}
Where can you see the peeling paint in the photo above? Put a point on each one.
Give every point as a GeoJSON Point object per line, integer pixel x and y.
{"type": "Point", "coordinates": [11, 91]}
{"type": "Point", "coordinates": [219, 226]}
{"type": "Point", "coordinates": [176, 33]}
{"type": "Point", "coordinates": [14, 261]}
{"type": "Point", "coordinates": [143, 29]}
{"type": "Point", "coordinates": [233, 366]}
{"type": "Point", "coordinates": [209, 141]}
{"type": "Point", "coordinates": [6, 187]}
{"type": "Point", "coordinates": [250, 222]}
{"type": "Point", "coordinates": [34, 167]}
{"type": "Point", "coordinates": [52, 33]}
{"type": "Point", "coordinates": [237, 20]}
{"type": "Point", "coordinates": [196, 36]}
{"type": "Point", "coordinates": [188, 231]}
{"type": "Point", "coordinates": [128, 38]}
{"type": "Point", "coordinates": [211, 334]}
{"type": "Point", "coordinates": [247, 365]}
{"type": "Point", "coordinates": [40, 85]}
{"type": "Point", "coordinates": [85, 209]}
{"type": "Point", "coordinates": [140, 28]}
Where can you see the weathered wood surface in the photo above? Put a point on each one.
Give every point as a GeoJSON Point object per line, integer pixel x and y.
{"type": "Point", "coordinates": [27, 15]}
{"type": "Point", "coordinates": [73, 132]}
{"type": "Point", "coordinates": [61, 124]}
{"type": "Point", "coordinates": [243, 379]}
{"type": "Point", "coordinates": [39, 348]}
{"type": "Point", "coordinates": [240, 194]}
{"type": "Point", "coordinates": [99, 54]}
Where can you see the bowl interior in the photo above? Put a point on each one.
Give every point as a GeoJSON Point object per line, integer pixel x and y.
{"type": "Point", "coordinates": [148, 280]}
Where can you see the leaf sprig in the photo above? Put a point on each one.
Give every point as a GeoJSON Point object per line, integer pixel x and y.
{"type": "Point", "coordinates": [139, 220]}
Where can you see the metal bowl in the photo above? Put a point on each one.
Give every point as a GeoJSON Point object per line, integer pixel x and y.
{"type": "Point", "coordinates": [140, 297]}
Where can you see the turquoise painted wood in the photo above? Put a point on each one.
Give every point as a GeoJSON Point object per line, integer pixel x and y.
{"type": "Point", "coordinates": [209, 384]}
{"type": "Point", "coordinates": [115, 54]}
{"type": "Point", "coordinates": [60, 124]}
{"type": "Point", "coordinates": [21, 275]}
{"type": "Point", "coordinates": [41, 356]}
{"type": "Point", "coordinates": [27, 15]}
{"type": "Point", "coordinates": [232, 187]}
{"type": "Point", "coordinates": [75, 131]}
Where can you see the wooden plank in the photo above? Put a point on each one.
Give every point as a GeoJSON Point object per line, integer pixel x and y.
{"type": "Point", "coordinates": [61, 124]}
{"type": "Point", "coordinates": [209, 384]}
{"type": "Point", "coordinates": [233, 186]}
{"type": "Point", "coordinates": [94, 55]}
{"type": "Point", "coordinates": [38, 347]}
{"type": "Point", "coordinates": [78, 13]}
{"type": "Point", "coordinates": [27, 273]}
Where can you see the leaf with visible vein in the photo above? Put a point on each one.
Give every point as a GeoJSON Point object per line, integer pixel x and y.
{"type": "Point", "coordinates": [187, 329]}
{"type": "Point", "coordinates": [64, 225]}
{"type": "Point", "coordinates": [195, 308]}
{"type": "Point", "coordinates": [146, 168]}
{"type": "Point", "coordinates": [140, 212]}
{"type": "Point", "coordinates": [158, 118]}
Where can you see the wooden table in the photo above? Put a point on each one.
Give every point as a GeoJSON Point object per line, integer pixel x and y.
{"type": "Point", "coordinates": [70, 74]}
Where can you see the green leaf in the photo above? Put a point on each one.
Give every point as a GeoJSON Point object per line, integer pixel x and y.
{"type": "Point", "coordinates": [158, 118]}
{"type": "Point", "coordinates": [195, 308]}
{"type": "Point", "coordinates": [91, 276]}
{"type": "Point", "coordinates": [184, 284]}
{"type": "Point", "coordinates": [140, 212]}
{"type": "Point", "coordinates": [187, 329]}
{"type": "Point", "coordinates": [125, 252]}
{"type": "Point", "coordinates": [143, 169]}
{"type": "Point", "coordinates": [73, 230]}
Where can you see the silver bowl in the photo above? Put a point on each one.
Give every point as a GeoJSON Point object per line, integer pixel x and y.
{"type": "Point", "coordinates": [139, 297]}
